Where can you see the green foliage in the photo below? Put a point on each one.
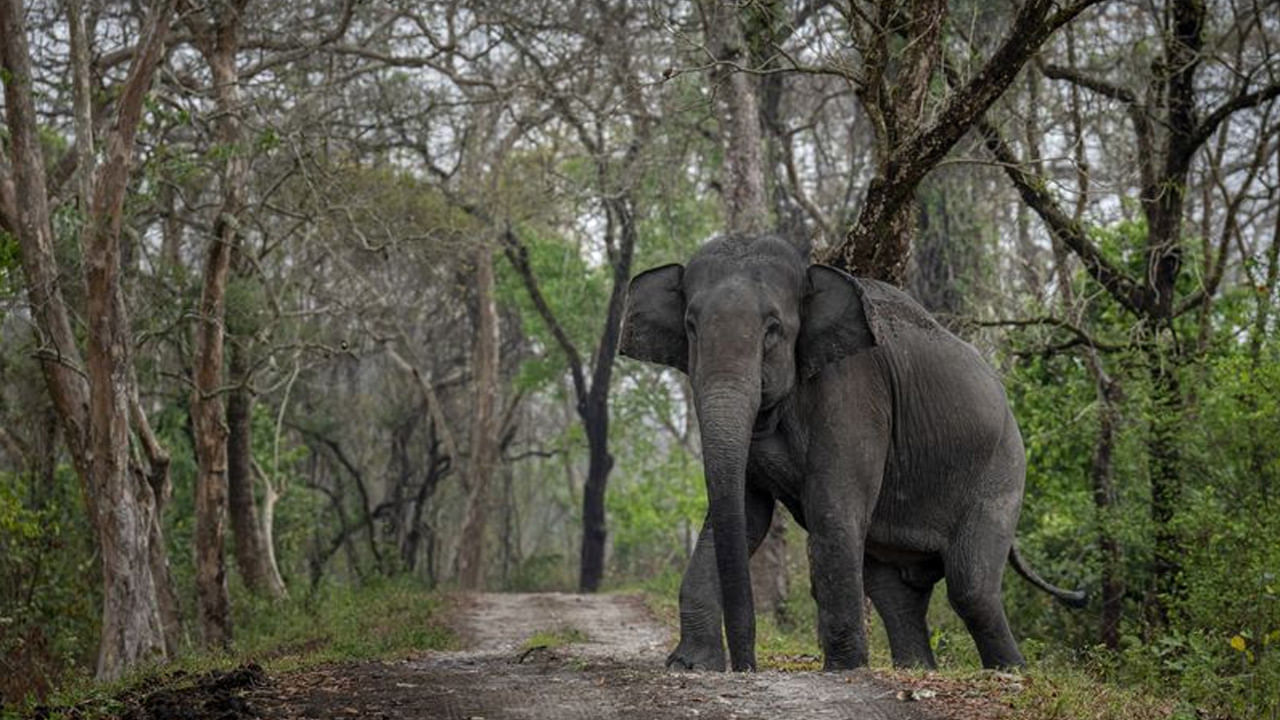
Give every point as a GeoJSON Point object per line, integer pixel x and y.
{"type": "Point", "coordinates": [657, 509]}
{"type": "Point", "coordinates": [246, 306]}
{"type": "Point", "coordinates": [551, 639]}
{"type": "Point", "coordinates": [1217, 649]}
{"type": "Point", "coordinates": [48, 613]}
{"type": "Point", "coordinates": [380, 618]}
{"type": "Point", "coordinates": [383, 619]}
{"type": "Point", "coordinates": [575, 292]}
{"type": "Point", "coordinates": [540, 572]}
{"type": "Point", "coordinates": [10, 265]}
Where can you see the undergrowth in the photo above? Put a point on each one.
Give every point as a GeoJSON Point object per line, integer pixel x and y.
{"type": "Point", "coordinates": [383, 618]}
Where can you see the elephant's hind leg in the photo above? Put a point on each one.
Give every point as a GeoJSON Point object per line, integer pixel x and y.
{"type": "Point", "coordinates": [973, 572]}
{"type": "Point", "coordinates": [902, 603]}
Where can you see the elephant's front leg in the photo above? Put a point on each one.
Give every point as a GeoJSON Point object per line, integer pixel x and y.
{"type": "Point", "coordinates": [840, 497]}
{"type": "Point", "coordinates": [835, 566]}
{"type": "Point", "coordinates": [701, 622]}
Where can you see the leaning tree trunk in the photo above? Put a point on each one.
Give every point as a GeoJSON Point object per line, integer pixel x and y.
{"type": "Point", "coordinates": [879, 243]}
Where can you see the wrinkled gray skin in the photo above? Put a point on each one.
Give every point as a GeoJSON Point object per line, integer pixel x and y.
{"type": "Point", "coordinates": [888, 439]}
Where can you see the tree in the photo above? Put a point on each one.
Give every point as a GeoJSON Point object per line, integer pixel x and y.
{"type": "Point", "coordinates": [1170, 129]}
{"type": "Point", "coordinates": [218, 42]}
{"type": "Point", "coordinates": [591, 121]}
{"type": "Point", "coordinates": [893, 89]}
{"type": "Point", "coordinates": [484, 423]}
{"type": "Point", "coordinates": [94, 403]}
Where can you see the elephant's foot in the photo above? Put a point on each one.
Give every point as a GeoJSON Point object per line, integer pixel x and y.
{"type": "Point", "coordinates": [843, 663]}
{"type": "Point", "coordinates": [690, 655]}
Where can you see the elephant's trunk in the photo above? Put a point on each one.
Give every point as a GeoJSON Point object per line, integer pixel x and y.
{"type": "Point", "coordinates": [727, 408]}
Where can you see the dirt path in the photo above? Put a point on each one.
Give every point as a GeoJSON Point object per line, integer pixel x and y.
{"type": "Point", "coordinates": [612, 669]}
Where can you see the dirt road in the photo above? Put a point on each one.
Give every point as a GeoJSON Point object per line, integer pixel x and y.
{"type": "Point", "coordinates": [610, 668]}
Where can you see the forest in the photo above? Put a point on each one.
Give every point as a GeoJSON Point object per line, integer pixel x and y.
{"type": "Point", "coordinates": [303, 298]}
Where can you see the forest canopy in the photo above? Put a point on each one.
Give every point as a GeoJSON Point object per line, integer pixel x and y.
{"type": "Point", "coordinates": [301, 296]}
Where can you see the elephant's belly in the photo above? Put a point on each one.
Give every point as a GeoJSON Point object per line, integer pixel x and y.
{"type": "Point", "coordinates": [894, 554]}
{"type": "Point", "coordinates": [906, 529]}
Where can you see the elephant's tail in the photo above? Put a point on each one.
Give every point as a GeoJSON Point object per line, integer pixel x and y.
{"type": "Point", "coordinates": [1070, 598]}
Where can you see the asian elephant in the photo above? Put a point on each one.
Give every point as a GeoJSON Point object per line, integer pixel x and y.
{"type": "Point", "coordinates": [887, 437]}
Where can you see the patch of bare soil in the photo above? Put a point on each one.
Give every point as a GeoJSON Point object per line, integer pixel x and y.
{"type": "Point", "coordinates": [560, 656]}
{"type": "Point", "coordinates": [613, 670]}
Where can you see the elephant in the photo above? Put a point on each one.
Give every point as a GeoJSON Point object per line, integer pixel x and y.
{"type": "Point", "coordinates": [888, 439]}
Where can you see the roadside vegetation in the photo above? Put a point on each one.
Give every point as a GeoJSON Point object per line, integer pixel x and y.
{"type": "Point", "coordinates": [384, 619]}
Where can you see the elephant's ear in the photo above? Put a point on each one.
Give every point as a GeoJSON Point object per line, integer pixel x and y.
{"type": "Point", "coordinates": [833, 321]}
{"type": "Point", "coordinates": [653, 325]}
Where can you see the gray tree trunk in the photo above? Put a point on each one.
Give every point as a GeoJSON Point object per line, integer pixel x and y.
{"type": "Point", "coordinates": [218, 43]}
{"type": "Point", "coordinates": [484, 426]}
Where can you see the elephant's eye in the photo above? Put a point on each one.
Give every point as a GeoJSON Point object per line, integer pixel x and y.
{"type": "Point", "coordinates": [772, 332]}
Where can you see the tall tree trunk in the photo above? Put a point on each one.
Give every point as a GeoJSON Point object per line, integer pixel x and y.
{"type": "Point", "coordinates": [213, 605]}
{"type": "Point", "coordinates": [745, 202]}
{"type": "Point", "coordinates": [1103, 500]}
{"type": "Point", "coordinates": [60, 360]}
{"type": "Point", "coordinates": [132, 626]}
{"type": "Point", "coordinates": [1165, 458]}
{"type": "Point", "coordinates": [253, 558]}
{"type": "Point", "coordinates": [599, 462]}
{"type": "Point", "coordinates": [156, 478]}
{"type": "Point", "coordinates": [484, 425]}
{"type": "Point", "coordinates": [218, 44]}
{"type": "Point", "coordinates": [94, 414]}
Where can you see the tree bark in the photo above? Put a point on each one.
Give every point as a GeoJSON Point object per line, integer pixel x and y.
{"type": "Point", "coordinates": [1100, 472]}
{"type": "Point", "coordinates": [92, 400]}
{"type": "Point", "coordinates": [218, 44]}
{"type": "Point", "coordinates": [599, 463]}
{"type": "Point", "coordinates": [60, 360]}
{"type": "Point", "coordinates": [743, 189]}
{"type": "Point", "coordinates": [484, 425]}
{"type": "Point", "coordinates": [156, 478]}
{"type": "Point", "coordinates": [132, 630]}
{"type": "Point", "coordinates": [878, 244]}
{"type": "Point", "coordinates": [253, 558]}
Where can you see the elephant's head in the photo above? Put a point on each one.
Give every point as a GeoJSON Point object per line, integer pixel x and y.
{"type": "Point", "coordinates": [748, 319]}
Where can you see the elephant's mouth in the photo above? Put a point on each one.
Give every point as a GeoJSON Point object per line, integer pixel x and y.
{"type": "Point", "coordinates": [766, 421]}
